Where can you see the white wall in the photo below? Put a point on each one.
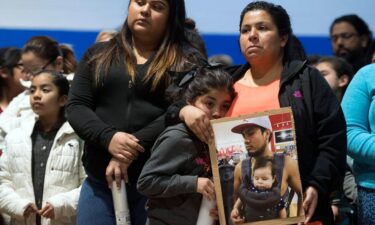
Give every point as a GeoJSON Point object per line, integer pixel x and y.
{"type": "Point", "coordinates": [309, 17]}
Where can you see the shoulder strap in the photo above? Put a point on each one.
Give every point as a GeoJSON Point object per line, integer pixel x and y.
{"type": "Point", "coordinates": [279, 163]}
{"type": "Point", "coordinates": [246, 170]}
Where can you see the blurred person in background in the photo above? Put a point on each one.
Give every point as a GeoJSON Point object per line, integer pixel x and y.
{"type": "Point", "coordinates": [39, 53]}
{"type": "Point", "coordinates": [105, 35]}
{"type": "Point", "coordinates": [222, 59]}
{"type": "Point", "coordinates": [337, 72]}
{"type": "Point", "coordinates": [350, 39]}
{"type": "Point", "coordinates": [10, 75]}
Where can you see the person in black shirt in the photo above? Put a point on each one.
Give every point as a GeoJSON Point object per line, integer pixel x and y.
{"type": "Point", "coordinates": [118, 99]}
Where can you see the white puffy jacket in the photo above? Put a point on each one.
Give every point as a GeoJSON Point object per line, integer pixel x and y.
{"type": "Point", "coordinates": [63, 177]}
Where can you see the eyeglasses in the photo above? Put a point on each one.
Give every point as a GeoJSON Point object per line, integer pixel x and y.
{"type": "Point", "coordinates": [33, 70]}
{"type": "Point", "coordinates": [344, 36]}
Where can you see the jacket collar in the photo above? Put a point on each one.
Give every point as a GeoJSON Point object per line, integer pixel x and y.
{"type": "Point", "coordinates": [28, 127]}
{"type": "Point", "coordinates": [290, 70]}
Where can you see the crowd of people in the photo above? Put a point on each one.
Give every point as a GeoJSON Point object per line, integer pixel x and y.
{"type": "Point", "coordinates": [138, 105]}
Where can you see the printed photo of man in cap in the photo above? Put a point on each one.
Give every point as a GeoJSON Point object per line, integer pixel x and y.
{"type": "Point", "coordinates": [252, 202]}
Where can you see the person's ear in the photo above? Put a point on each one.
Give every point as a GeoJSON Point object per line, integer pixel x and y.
{"type": "Point", "coordinates": [364, 41]}
{"type": "Point", "coordinates": [268, 134]}
{"type": "Point", "coordinates": [59, 62]}
{"type": "Point", "coordinates": [284, 40]}
{"type": "Point", "coordinates": [62, 100]}
{"type": "Point", "coordinates": [343, 80]}
{"type": "Point", "coordinates": [3, 73]}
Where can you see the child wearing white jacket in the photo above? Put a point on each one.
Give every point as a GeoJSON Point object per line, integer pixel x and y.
{"type": "Point", "coordinates": [41, 171]}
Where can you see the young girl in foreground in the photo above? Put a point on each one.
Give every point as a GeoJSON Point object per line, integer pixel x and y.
{"type": "Point", "coordinates": [177, 173]}
{"type": "Point", "coordinates": [41, 171]}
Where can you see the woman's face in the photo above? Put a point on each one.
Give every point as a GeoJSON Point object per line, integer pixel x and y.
{"type": "Point", "coordinates": [215, 103]}
{"type": "Point", "coordinates": [259, 38]}
{"type": "Point", "coordinates": [18, 75]}
{"type": "Point", "coordinates": [33, 64]}
{"type": "Point", "coordinates": [148, 19]}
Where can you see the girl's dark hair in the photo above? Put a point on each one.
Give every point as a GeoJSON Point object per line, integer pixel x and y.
{"type": "Point", "coordinates": [341, 66]}
{"type": "Point", "coordinates": [9, 58]}
{"type": "Point", "coordinates": [280, 18]}
{"type": "Point", "coordinates": [46, 48]}
{"type": "Point", "coordinates": [58, 79]}
{"type": "Point", "coordinates": [207, 79]}
{"type": "Point", "coordinates": [264, 162]}
{"type": "Point", "coordinates": [169, 55]}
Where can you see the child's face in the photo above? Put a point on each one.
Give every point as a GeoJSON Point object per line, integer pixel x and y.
{"type": "Point", "coordinates": [44, 96]}
{"type": "Point", "coordinates": [329, 74]}
{"type": "Point", "coordinates": [263, 178]}
{"type": "Point", "coordinates": [215, 103]}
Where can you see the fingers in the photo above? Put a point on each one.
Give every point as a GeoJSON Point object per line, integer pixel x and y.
{"type": "Point", "coordinates": [126, 158]}
{"type": "Point", "coordinates": [132, 137]}
{"type": "Point", "coordinates": [203, 129]}
{"type": "Point", "coordinates": [116, 170]}
{"type": "Point", "coordinates": [198, 122]}
{"type": "Point", "coordinates": [118, 177]}
{"type": "Point", "coordinates": [206, 187]}
{"type": "Point", "coordinates": [235, 216]}
{"type": "Point", "coordinates": [125, 147]}
{"type": "Point", "coordinates": [126, 178]}
{"type": "Point", "coordinates": [31, 208]}
{"type": "Point", "coordinates": [310, 202]}
{"type": "Point", "coordinates": [47, 211]}
{"type": "Point", "coordinates": [27, 211]}
{"type": "Point", "coordinates": [109, 176]}
{"type": "Point", "coordinates": [133, 143]}
{"type": "Point", "coordinates": [214, 213]}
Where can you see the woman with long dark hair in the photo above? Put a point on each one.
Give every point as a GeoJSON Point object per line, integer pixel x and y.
{"type": "Point", "coordinates": [274, 77]}
{"type": "Point", "coordinates": [118, 99]}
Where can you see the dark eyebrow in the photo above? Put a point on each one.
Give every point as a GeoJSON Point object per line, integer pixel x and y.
{"type": "Point", "coordinates": [210, 97]}
{"type": "Point", "coordinates": [42, 86]}
{"type": "Point", "coordinates": [46, 85]}
{"type": "Point", "coordinates": [164, 2]}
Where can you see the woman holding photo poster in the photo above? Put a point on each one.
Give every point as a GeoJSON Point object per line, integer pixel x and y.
{"type": "Point", "coordinates": [272, 79]}
{"type": "Point", "coordinates": [118, 99]}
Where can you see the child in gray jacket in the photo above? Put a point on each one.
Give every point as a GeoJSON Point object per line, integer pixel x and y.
{"type": "Point", "coordinates": [177, 174]}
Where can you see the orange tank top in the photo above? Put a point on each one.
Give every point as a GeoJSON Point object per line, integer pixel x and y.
{"type": "Point", "coordinates": [254, 99]}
